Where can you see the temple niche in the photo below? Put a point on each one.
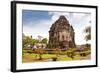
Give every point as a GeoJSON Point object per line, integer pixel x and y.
{"type": "Point", "coordinates": [61, 34]}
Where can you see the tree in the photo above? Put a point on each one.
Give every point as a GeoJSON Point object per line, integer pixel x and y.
{"type": "Point", "coordinates": [44, 40]}
{"type": "Point", "coordinates": [34, 41]}
{"type": "Point", "coordinates": [56, 51]}
{"type": "Point", "coordinates": [39, 51]}
{"type": "Point", "coordinates": [26, 41]}
{"type": "Point", "coordinates": [88, 33]}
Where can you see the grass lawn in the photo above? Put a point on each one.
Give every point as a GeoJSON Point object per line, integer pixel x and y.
{"type": "Point", "coordinates": [35, 57]}
{"type": "Point", "coordinates": [32, 57]}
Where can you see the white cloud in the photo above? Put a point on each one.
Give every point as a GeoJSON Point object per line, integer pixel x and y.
{"type": "Point", "coordinates": [78, 16]}
{"type": "Point", "coordinates": [41, 28]}
{"type": "Point", "coordinates": [56, 15]}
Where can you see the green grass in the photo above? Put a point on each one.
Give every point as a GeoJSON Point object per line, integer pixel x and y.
{"type": "Point", "coordinates": [77, 57]}
{"type": "Point", "coordinates": [26, 51]}
{"type": "Point", "coordinates": [63, 56]}
{"type": "Point", "coordinates": [48, 55]}
{"type": "Point", "coordinates": [33, 56]}
{"type": "Point", "coordinates": [27, 55]}
{"type": "Point", "coordinates": [64, 59]}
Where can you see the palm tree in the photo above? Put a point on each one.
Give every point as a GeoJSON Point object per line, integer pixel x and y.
{"type": "Point", "coordinates": [88, 33]}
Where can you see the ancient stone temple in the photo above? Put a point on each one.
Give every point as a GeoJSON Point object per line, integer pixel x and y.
{"type": "Point", "coordinates": [61, 34]}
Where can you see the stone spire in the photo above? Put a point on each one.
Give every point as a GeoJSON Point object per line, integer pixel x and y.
{"type": "Point", "coordinates": [61, 34]}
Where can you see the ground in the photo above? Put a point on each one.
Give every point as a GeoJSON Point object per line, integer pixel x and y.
{"type": "Point", "coordinates": [63, 56]}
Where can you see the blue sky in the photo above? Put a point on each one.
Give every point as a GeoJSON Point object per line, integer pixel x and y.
{"type": "Point", "coordinates": [35, 16]}
{"type": "Point", "coordinates": [39, 22]}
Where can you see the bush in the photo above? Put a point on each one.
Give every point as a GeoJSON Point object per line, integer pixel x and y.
{"type": "Point", "coordinates": [27, 51]}
{"type": "Point", "coordinates": [50, 52]}
{"type": "Point", "coordinates": [85, 53]}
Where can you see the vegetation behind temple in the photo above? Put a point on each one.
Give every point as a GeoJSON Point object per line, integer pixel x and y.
{"type": "Point", "coordinates": [28, 42]}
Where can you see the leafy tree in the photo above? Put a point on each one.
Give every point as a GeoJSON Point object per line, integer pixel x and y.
{"type": "Point", "coordinates": [34, 41]}
{"type": "Point", "coordinates": [44, 40]}
{"type": "Point", "coordinates": [57, 51]}
{"type": "Point", "coordinates": [88, 33]}
{"type": "Point", "coordinates": [39, 51]}
{"type": "Point", "coordinates": [26, 41]}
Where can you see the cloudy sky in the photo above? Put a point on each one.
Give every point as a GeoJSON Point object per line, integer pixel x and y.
{"type": "Point", "coordinates": [37, 23]}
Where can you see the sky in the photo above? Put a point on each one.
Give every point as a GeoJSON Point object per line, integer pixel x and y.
{"type": "Point", "coordinates": [38, 23]}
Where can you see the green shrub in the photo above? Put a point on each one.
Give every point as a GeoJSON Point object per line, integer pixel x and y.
{"type": "Point", "coordinates": [27, 51]}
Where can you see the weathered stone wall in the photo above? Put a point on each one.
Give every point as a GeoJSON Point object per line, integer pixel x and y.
{"type": "Point", "coordinates": [61, 34]}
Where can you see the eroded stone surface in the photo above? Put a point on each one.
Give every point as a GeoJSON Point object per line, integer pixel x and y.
{"type": "Point", "coordinates": [61, 34]}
